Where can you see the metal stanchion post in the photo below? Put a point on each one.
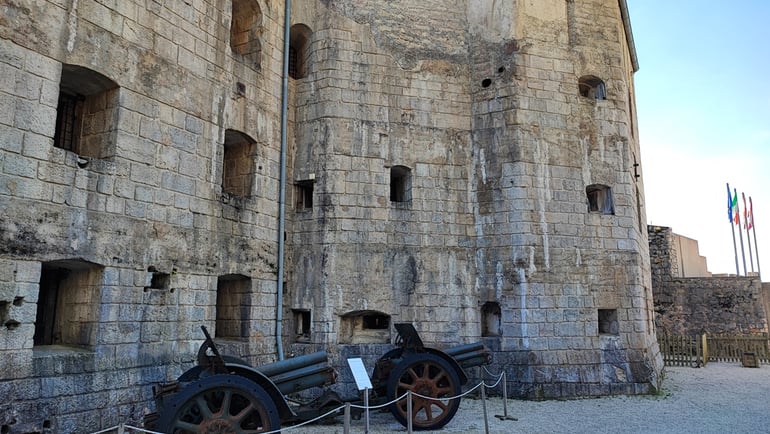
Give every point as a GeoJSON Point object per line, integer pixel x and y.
{"type": "Point", "coordinates": [505, 396]}
{"type": "Point", "coordinates": [484, 406]}
{"type": "Point", "coordinates": [409, 411]}
{"type": "Point", "coordinates": [505, 416]}
{"type": "Point", "coordinates": [346, 426]}
{"type": "Point", "coordinates": [366, 404]}
{"type": "Point", "coordinates": [121, 430]}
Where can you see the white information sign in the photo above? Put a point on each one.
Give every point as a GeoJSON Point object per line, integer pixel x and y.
{"type": "Point", "coordinates": [359, 373]}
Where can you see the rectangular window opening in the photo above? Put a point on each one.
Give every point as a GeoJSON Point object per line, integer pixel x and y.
{"type": "Point", "coordinates": [302, 325]}
{"type": "Point", "coordinates": [87, 113]}
{"type": "Point", "coordinates": [608, 322]}
{"type": "Point", "coordinates": [600, 199]}
{"type": "Point", "coordinates": [305, 195]}
{"type": "Point", "coordinates": [238, 164]}
{"type": "Point", "coordinates": [376, 322]}
{"type": "Point", "coordinates": [160, 280]}
{"type": "Point", "coordinates": [233, 307]}
{"type": "Point", "coordinates": [68, 301]}
{"type": "Point", "coordinates": [364, 327]}
{"type": "Point", "coordinates": [400, 184]}
{"type": "Point", "coordinates": [490, 319]}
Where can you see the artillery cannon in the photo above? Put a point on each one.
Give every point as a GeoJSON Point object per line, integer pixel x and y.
{"type": "Point", "coordinates": [225, 394]}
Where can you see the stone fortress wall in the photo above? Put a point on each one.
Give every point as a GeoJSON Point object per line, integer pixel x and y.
{"type": "Point", "coordinates": [469, 167]}
{"type": "Point", "coordinates": [688, 304]}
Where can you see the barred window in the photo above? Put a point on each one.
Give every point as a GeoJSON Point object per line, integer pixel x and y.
{"type": "Point", "coordinates": [86, 115]}
{"type": "Point", "coordinates": [305, 194]}
{"type": "Point", "coordinates": [299, 42]}
{"type": "Point", "coordinates": [68, 117]}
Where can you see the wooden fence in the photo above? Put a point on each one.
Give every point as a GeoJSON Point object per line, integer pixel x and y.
{"type": "Point", "coordinates": [723, 348]}
{"type": "Point", "coordinates": [684, 350]}
{"type": "Point", "coordinates": [696, 351]}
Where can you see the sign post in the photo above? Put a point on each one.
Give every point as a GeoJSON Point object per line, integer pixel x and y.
{"type": "Point", "coordinates": [363, 383]}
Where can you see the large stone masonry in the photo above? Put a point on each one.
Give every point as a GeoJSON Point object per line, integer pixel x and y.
{"type": "Point", "coordinates": [466, 166]}
{"type": "Point", "coordinates": [506, 141]}
{"type": "Point", "coordinates": [123, 222]}
{"type": "Point", "coordinates": [694, 305]}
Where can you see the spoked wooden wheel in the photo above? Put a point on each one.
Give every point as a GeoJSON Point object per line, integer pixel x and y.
{"type": "Point", "coordinates": [220, 404]}
{"type": "Point", "coordinates": [427, 375]}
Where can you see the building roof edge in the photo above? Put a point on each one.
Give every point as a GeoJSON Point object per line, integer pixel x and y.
{"type": "Point", "coordinates": [629, 34]}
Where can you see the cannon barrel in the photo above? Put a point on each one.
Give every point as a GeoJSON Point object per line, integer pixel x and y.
{"type": "Point", "coordinates": [470, 355]}
{"type": "Point", "coordinates": [299, 373]}
{"type": "Point", "coordinates": [304, 377]}
{"type": "Point", "coordinates": [298, 362]}
{"type": "Point", "coordinates": [252, 393]}
{"type": "Point", "coordinates": [461, 349]}
{"type": "Point", "coordinates": [260, 392]}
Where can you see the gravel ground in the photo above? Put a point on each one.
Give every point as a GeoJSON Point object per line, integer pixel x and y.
{"type": "Point", "coordinates": [719, 398]}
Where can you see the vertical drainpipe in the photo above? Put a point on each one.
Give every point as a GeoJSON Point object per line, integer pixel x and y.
{"type": "Point", "coordinates": [282, 194]}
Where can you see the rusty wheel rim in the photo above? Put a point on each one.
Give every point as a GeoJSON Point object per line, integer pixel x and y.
{"type": "Point", "coordinates": [428, 379]}
{"type": "Point", "coordinates": [224, 410]}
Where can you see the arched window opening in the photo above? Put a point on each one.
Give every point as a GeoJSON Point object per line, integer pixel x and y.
{"type": "Point", "coordinates": [245, 30]}
{"type": "Point", "coordinates": [238, 164]}
{"type": "Point", "coordinates": [592, 87]}
{"type": "Point", "coordinates": [86, 115]}
{"type": "Point", "coordinates": [600, 199]}
{"type": "Point", "coordinates": [299, 42]}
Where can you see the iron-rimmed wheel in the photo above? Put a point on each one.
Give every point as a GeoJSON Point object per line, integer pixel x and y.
{"type": "Point", "coordinates": [220, 404]}
{"type": "Point", "coordinates": [427, 375]}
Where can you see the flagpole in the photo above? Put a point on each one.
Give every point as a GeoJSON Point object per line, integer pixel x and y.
{"type": "Point", "coordinates": [732, 227]}
{"type": "Point", "coordinates": [748, 236]}
{"type": "Point", "coordinates": [754, 229]}
{"type": "Point", "coordinates": [740, 233]}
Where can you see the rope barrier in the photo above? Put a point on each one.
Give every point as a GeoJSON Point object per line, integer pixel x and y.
{"type": "Point", "coordinates": [375, 407]}
{"type": "Point", "coordinates": [482, 384]}
{"type": "Point", "coordinates": [299, 425]}
{"type": "Point", "coordinates": [499, 379]}
{"type": "Point", "coordinates": [491, 374]}
{"type": "Point", "coordinates": [449, 398]}
{"type": "Point", "coordinates": [120, 428]}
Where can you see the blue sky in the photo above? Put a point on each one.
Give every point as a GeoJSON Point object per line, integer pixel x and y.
{"type": "Point", "coordinates": [703, 106]}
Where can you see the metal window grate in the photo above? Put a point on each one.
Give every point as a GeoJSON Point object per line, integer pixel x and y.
{"type": "Point", "coordinates": [305, 195]}
{"type": "Point", "coordinates": [293, 63]}
{"type": "Point", "coordinates": [66, 117]}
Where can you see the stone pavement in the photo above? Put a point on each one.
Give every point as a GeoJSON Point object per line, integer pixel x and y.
{"type": "Point", "coordinates": [720, 398]}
